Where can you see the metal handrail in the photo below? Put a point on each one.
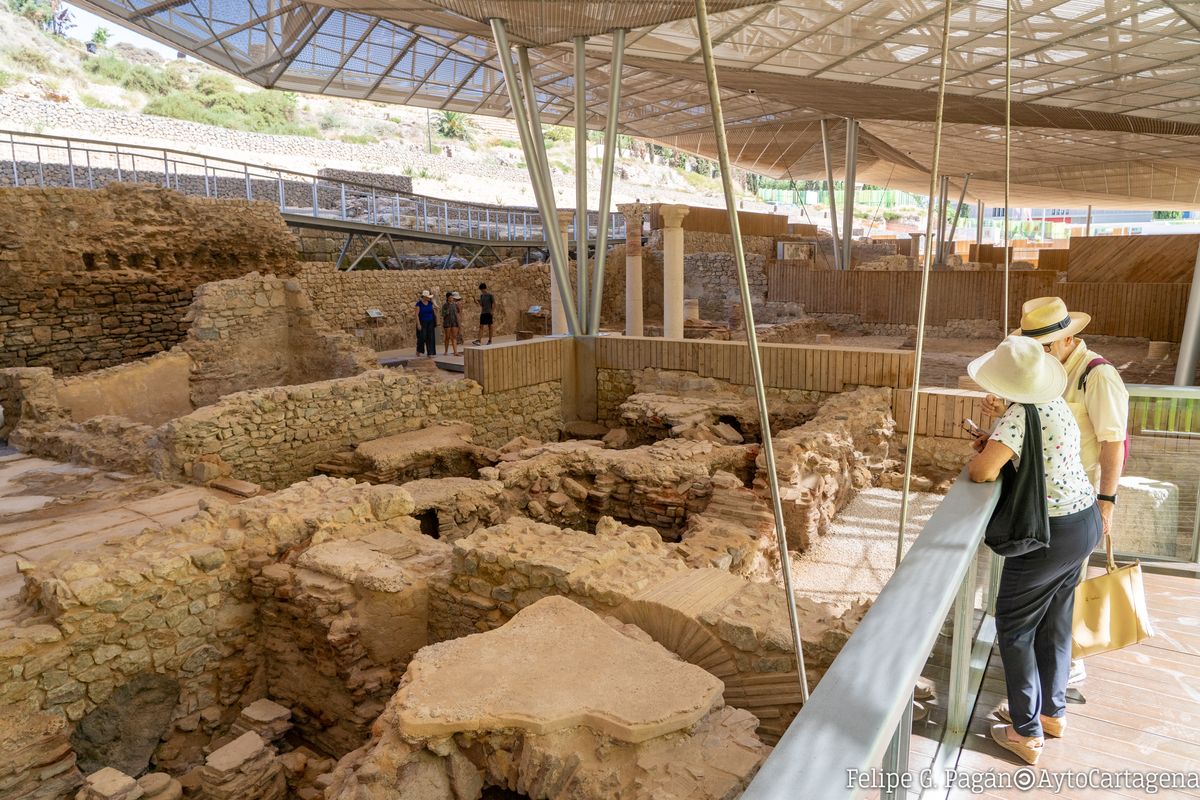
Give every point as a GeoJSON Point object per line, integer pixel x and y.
{"type": "Point", "coordinates": [357, 199]}
{"type": "Point", "coordinates": [859, 715]}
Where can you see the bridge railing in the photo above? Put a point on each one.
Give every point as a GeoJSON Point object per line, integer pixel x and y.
{"type": "Point", "coordinates": [41, 160]}
{"type": "Point", "coordinates": [853, 738]}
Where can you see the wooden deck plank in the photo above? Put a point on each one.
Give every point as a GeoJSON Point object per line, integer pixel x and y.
{"type": "Point", "coordinates": [1143, 704]}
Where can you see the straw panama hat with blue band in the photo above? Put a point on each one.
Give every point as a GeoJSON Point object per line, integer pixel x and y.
{"type": "Point", "coordinates": [1047, 320]}
{"type": "Point", "coordinates": [1020, 371]}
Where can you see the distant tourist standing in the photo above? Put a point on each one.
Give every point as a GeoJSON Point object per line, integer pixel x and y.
{"type": "Point", "coordinates": [487, 304]}
{"type": "Point", "coordinates": [450, 324]}
{"type": "Point", "coordinates": [426, 325]}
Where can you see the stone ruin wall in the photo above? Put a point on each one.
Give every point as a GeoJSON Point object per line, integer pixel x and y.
{"type": "Point", "coordinates": [343, 298]}
{"type": "Point", "coordinates": [260, 331]}
{"type": "Point", "coordinates": [319, 596]}
{"type": "Point", "coordinates": [615, 386]}
{"type": "Point", "coordinates": [274, 436]}
{"type": "Point", "coordinates": [83, 286]}
{"type": "Point", "coordinates": [190, 607]}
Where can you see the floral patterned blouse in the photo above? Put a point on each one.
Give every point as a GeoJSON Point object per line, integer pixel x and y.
{"type": "Point", "coordinates": [1067, 486]}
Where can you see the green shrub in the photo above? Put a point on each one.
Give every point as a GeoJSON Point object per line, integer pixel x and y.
{"type": "Point", "coordinates": [100, 36]}
{"type": "Point", "coordinates": [507, 143]}
{"type": "Point", "coordinates": [147, 80]}
{"type": "Point", "coordinates": [328, 121]}
{"type": "Point", "coordinates": [359, 138]}
{"type": "Point", "coordinates": [261, 112]}
{"type": "Point", "coordinates": [107, 67]}
{"type": "Point", "coordinates": [30, 58]}
{"type": "Point", "coordinates": [213, 85]}
{"type": "Point", "coordinates": [7, 79]}
{"type": "Point", "coordinates": [39, 12]}
{"type": "Point", "coordinates": [558, 133]}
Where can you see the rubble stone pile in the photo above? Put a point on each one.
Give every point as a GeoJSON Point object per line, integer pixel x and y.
{"type": "Point", "coordinates": [556, 703]}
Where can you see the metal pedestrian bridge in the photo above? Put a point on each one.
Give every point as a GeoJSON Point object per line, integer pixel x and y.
{"type": "Point", "coordinates": [373, 214]}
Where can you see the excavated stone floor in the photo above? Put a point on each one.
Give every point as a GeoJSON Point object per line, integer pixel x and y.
{"type": "Point", "coordinates": [857, 557]}
{"type": "Point", "coordinates": [598, 617]}
{"type": "Point", "coordinates": [47, 507]}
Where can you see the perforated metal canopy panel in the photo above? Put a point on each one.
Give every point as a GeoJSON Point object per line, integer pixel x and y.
{"type": "Point", "coordinates": [1107, 92]}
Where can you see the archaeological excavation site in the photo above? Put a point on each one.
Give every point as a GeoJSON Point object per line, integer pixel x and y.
{"type": "Point", "coordinates": [324, 477]}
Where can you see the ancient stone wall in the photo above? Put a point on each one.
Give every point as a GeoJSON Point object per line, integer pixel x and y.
{"type": "Point", "coordinates": [615, 386]}
{"type": "Point", "coordinates": [734, 628]}
{"type": "Point", "coordinates": [258, 331]}
{"type": "Point", "coordinates": [276, 436]}
{"type": "Point", "coordinates": [19, 386]}
{"type": "Point", "coordinates": [80, 321]}
{"type": "Point", "coordinates": [227, 184]}
{"type": "Point", "coordinates": [151, 390]}
{"type": "Point", "coordinates": [164, 637]}
{"type": "Point", "coordinates": [395, 183]}
{"type": "Point", "coordinates": [143, 229]}
{"type": "Point", "coordinates": [343, 298]}
{"type": "Point", "coordinates": [90, 279]}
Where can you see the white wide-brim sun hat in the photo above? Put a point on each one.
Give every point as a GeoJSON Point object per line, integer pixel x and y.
{"type": "Point", "coordinates": [1020, 371]}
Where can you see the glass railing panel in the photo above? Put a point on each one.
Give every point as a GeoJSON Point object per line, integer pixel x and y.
{"type": "Point", "coordinates": [1156, 515]}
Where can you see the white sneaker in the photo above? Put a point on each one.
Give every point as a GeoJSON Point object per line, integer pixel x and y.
{"type": "Point", "coordinates": [1078, 672]}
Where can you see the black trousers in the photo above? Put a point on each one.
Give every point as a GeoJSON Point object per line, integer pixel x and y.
{"type": "Point", "coordinates": [1033, 619]}
{"type": "Point", "coordinates": [427, 337]}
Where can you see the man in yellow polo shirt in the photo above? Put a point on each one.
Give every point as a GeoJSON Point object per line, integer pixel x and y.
{"type": "Point", "coordinates": [1095, 394]}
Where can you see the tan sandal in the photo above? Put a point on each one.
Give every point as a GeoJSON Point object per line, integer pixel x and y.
{"type": "Point", "coordinates": [1028, 749]}
{"type": "Point", "coordinates": [1054, 727]}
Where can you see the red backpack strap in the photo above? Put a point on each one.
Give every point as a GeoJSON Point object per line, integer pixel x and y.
{"type": "Point", "coordinates": [1095, 362]}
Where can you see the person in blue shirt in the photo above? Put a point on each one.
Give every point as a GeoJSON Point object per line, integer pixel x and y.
{"type": "Point", "coordinates": [426, 325]}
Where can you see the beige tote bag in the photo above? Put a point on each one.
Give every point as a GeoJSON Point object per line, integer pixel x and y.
{"type": "Point", "coordinates": [1110, 609]}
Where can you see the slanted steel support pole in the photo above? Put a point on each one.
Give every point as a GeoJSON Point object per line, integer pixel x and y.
{"type": "Point", "coordinates": [538, 144]}
{"type": "Point", "coordinates": [926, 266]}
{"type": "Point", "coordinates": [833, 224]}
{"type": "Point", "coordinates": [943, 206]}
{"type": "Point", "coordinates": [1189, 344]}
{"type": "Point", "coordinates": [739, 255]}
{"type": "Point", "coordinates": [962, 196]}
{"type": "Point", "coordinates": [1087, 231]}
{"type": "Point", "coordinates": [978, 227]}
{"type": "Point", "coordinates": [848, 193]}
{"type": "Point", "coordinates": [545, 205]}
{"type": "Point", "coordinates": [606, 178]}
{"type": "Point", "coordinates": [581, 204]}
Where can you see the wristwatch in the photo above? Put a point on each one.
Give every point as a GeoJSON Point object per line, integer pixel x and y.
{"type": "Point", "coordinates": [1112, 498]}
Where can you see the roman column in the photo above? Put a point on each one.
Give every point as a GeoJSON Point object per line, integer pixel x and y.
{"type": "Point", "coordinates": [672, 216]}
{"type": "Point", "coordinates": [633, 213]}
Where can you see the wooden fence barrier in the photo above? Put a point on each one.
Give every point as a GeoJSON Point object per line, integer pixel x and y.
{"type": "Point", "coordinates": [785, 366]}
{"type": "Point", "coordinates": [1153, 311]}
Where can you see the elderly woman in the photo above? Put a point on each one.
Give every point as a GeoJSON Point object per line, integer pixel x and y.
{"type": "Point", "coordinates": [1037, 590]}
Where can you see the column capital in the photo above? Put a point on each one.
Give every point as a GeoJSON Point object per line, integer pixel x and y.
{"type": "Point", "coordinates": [632, 210]}
{"type": "Point", "coordinates": [566, 216]}
{"type": "Point", "coordinates": [673, 214]}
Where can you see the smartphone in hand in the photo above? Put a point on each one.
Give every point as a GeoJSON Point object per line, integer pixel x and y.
{"type": "Point", "coordinates": [970, 427]}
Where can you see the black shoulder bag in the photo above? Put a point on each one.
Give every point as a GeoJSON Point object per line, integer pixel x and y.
{"type": "Point", "coordinates": [1021, 522]}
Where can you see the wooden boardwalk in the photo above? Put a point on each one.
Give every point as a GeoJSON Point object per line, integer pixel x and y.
{"type": "Point", "coordinates": [1142, 709]}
